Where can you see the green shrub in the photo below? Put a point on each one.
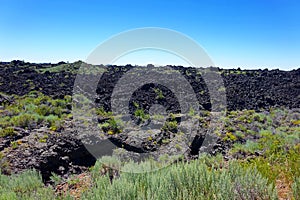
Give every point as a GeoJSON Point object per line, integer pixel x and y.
{"type": "Point", "coordinates": [230, 137]}
{"type": "Point", "coordinates": [159, 93]}
{"type": "Point", "coordinates": [51, 120]}
{"type": "Point", "coordinates": [239, 134]}
{"type": "Point", "coordinates": [5, 121]}
{"type": "Point", "coordinates": [43, 110]}
{"type": "Point", "coordinates": [296, 188]}
{"type": "Point", "coordinates": [248, 147]}
{"type": "Point", "coordinates": [27, 185]}
{"type": "Point", "coordinates": [199, 179]}
{"type": "Point", "coordinates": [56, 179]}
{"type": "Point", "coordinates": [8, 131]}
{"type": "Point", "coordinates": [4, 164]}
{"type": "Point", "coordinates": [192, 112]}
{"type": "Point", "coordinates": [24, 120]}
{"type": "Point", "coordinates": [273, 165]}
{"type": "Point", "coordinates": [194, 180]}
{"type": "Point", "coordinates": [135, 104]}
{"type": "Point", "coordinates": [259, 117]}
{"type": "Point", "coordinates": [112, 126]}
{"type": "Point", "coordinates": [29, 111]}
{"type": "Point", "coordinates": [140, 114]}
{"type": "Point", "coordinates": [101, 112]}
{"type": "Point", "coordinates": [170, 126]}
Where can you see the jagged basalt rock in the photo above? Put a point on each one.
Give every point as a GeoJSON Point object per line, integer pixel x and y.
{"type": "Point", "coordinates": [245, 89]}
{"type": "Point", "coordinates": [64, 153]}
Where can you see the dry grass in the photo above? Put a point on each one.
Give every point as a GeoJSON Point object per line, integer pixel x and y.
{"type": "Point", "coordinates": [75, 187]}
{"type": "Point", "coordinates": [283, 187]}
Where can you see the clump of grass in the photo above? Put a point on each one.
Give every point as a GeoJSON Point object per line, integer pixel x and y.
{"type": "Point", "coordinates": [112, 126]}
{"type": "Point", "coordinates": [101, 112]}
{"type": "Point", "coordinates": [170, 126]}
{"type": "Point", "coordinates": [8, 131]}
{"type": "Point", "coordinates": [141, 115]}
{"type": "Point", "coordinates": [56, 179]}
{"type": "Point", "coordinates": [230, 137]}
{"type": "Point", "coordinates": [159, 93]}
{"type": "Point", "coordinates": [191, 112]}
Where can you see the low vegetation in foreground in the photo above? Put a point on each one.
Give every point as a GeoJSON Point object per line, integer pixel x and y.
{"type": "Point", "coordinates": [204, 178]}
{"type": "Point", "coordinates": [263, 159]}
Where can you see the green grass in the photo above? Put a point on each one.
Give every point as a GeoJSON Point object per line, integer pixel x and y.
{"type": "Point", "coordinates": [112, 126]}
{"type": "Point", "coordinates": [141, 115]}
{"type": "Point", "coordinates": [159, 93]}
{"type": "Point", "coordinates": [8, 131]}
{"type": "Point", "coordinates": [170, 126]}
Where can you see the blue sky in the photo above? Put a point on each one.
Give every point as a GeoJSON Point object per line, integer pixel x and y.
{"type": "Point", "coordinates": [247, 34]}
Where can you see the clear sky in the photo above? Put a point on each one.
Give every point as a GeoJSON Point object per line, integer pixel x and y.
{"type": "Point", "coordinates": [245, 33]}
